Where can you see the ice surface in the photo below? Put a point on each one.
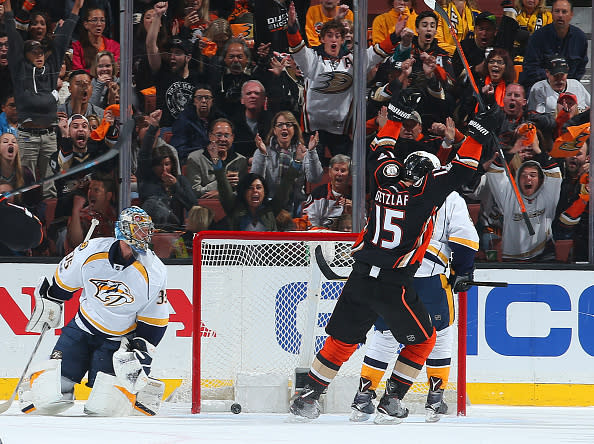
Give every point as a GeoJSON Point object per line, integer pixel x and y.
{"type": "Point", "coordinates": [175, 425]}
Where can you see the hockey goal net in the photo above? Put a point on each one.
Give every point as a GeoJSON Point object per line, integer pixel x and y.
{"type": "Point", "coordinates": [260, 307]}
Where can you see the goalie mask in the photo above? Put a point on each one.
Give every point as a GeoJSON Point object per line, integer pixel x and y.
{"type": "Point", "coordinates": [135, 227]}
{"type": "Point", "coordinates": [419, 163]}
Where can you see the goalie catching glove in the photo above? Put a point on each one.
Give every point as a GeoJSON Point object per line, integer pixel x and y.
{"type": "Point", "coordinates": [132, 363]}
{"type": "Point", "coordinates": [47, 310]}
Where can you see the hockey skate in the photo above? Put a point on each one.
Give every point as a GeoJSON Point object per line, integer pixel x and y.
{"type": "Point", "coordinates": [435, 407]}
{"type": "Point", "coordinates": [362, 404]}
{"type": "Point", "coordinates": [305, 405]}
{"type": "Point", "coordinates": [390, 409]}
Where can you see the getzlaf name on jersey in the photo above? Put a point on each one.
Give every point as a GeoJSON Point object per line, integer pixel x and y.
{"type": "Point", "coordinates": [391, 237]}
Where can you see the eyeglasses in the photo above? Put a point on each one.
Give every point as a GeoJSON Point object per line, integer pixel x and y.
{"type": "Point", "coordinates": [283, 125]}
{"type": "Point", "coordinates": [201, 98]}
{"type": "Point", "coordinates": [496, 62]}
{"type": "Point", "coordinates": [11, 105]}
{"type": "Point", "coordinates": [223, 135]}
{"type": "Point", "coordinates": [4, 45]}
{"type": "Point", "coordinates": [96, 20]}
{"type": "Point", "coordinates": [82, 84]}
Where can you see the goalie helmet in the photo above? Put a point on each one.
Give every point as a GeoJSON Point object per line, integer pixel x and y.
{"type": "Point", "coordinates": [135, 227]}
{"type": "Point", "coordinates": [419, 163]}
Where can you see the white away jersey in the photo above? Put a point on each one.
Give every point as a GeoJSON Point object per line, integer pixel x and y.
{"type": "Point", "coordinates": [114, 300]}
{"type": "Point", "coordinates": [453, 224]}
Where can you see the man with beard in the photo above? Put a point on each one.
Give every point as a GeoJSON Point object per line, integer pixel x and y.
{"type": "Point", "coordinates": [475, 47]}
{"type": "Point", "coordinates": [200, 165]}
{"type": "Point", "coordinates": [75, 147]}
{"type": "Point", "coordinates": [190, 129]}
{"type": "Point", "coordinates": [571, 221]}
{"type": "Point", "coordinates": [228, 79]}
{"type": "Point", "coordinates": [80, 88]}
{"type": "Point", "coordinates": [173, 79]}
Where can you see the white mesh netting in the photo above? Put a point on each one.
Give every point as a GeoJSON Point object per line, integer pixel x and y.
{"type": "Point", "coordinates": [264, 308]}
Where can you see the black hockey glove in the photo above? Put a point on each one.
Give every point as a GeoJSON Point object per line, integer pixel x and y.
{"type": "Point", "coordinates": [402, 105]}
{"type": "Point", "coordinates": [143, 351]}
{"type": "Point", "coordinates": [461, 282]}
{"type": "Point", "coordinates": [484, 126]}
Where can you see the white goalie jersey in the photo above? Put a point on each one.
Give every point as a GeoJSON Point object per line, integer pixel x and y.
{"type": "Point", "coordinates": [453, 224]}
{"type": "Point", "coordinates": [115, 299]}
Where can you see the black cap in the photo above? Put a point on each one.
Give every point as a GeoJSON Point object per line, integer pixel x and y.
{"type": "Point", "coordinates": [556, 65]}
{"type": "Point", "coordinates": [182, 44]}
{"type": "Point", "coordinates": [32, 45]}
{"type": "Point", "coordinates": [486, 16]}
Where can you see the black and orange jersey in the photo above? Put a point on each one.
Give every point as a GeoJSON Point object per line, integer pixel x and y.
{"type": "Point", "coordinates": [400, 222]}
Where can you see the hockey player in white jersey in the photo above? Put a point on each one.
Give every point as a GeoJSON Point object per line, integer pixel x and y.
{"type": "Point", "coordinates": [123, 315]}
{"type": "Point", "coordinates": [454, 237]}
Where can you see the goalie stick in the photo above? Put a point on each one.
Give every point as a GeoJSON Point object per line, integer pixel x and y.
{"type": "Point", "coordinates": [6, 404]}
{"type": "Point", "coordinates": [125, 133]}
{"type": "Point", "coordinates": [332, 276]}
{"type": "Point", "coordinates": [437, 8]}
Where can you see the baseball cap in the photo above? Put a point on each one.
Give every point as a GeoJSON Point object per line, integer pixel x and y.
{"type": "Point", "coordinates": [416, 117]}
{"type": "Point", "coordinates": [32, 45]}
{"type": "Point", "coordinates": [486, 16]}
{"type": "Point", "coordinates": [556, 65]}
{"type": "Point", "coordinates": [76, 117]}
{"type": "Point", "coordinates": [567, 95]}
{"type": "Point", "coordinates": [182, 44]}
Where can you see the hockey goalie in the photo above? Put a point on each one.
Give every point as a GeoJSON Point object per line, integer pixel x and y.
{"type": "Point", "coordinates": [122, 317]}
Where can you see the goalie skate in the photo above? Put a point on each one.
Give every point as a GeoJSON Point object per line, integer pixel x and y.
{"type": "Point", "coordinates": [362, 405]}
{"type": "Point", "coordinates": [435, 407]}
{"type": "Point", "coordinates": [390, 409]}
{"type": "Point", "coordinates": [305, 405]}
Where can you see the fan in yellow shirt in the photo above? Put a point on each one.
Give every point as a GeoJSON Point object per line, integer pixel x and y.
{"type": "Point", "coordinates": [383, 24]}
{"type": "Point", "coordinates": [317, 15]}
{"type": "Point", "coordinates": [462, 14]}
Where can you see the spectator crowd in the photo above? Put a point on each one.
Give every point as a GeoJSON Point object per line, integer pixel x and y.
{"type": "Point", "coordinates": [243, 114]}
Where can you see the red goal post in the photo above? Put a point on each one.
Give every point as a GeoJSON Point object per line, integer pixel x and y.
{"type": "Point", "coordinates": [260, 304]}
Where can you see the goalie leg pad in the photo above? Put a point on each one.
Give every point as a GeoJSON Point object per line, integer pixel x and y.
{"type": "Point", "coordinates": [148, 400]}
{"type": "Point", "coordinates": [108, 398]}
{"type": "Point", "coordinates": [46, 392]}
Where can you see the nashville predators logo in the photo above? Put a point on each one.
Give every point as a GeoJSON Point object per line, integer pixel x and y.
{"type": "Point", "coordinates": [112, 293]}
{"type": "Point", "coordinates": [334, 82]}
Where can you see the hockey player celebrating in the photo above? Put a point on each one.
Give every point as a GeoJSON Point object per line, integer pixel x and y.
{"type": "Point", "coordinates": [387, 254]}
{"type": "Point", "coordinates": [123, 315]}
{"type": "Point", "coordinates": [454, 236]}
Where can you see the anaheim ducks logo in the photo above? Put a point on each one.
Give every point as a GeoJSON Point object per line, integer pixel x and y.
{"type": "Point", "coordinates": [334, 82]}
{"type": "Point", "coordinates": [112, 293]}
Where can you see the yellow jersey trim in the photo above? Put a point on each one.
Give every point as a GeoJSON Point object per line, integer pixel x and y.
{"type": "Point", "coordinates": [466, 242]}
{"type": "Point", "coordinates": [96, 256]}
{"type": "Point", "coordinates": [100, 327]}
{"type": "Point", "coordinates": [62, 284]}
{"type": "Point", "coordinates": [153, 321]}
{"type": "Point", "coordinates": [142, 270]}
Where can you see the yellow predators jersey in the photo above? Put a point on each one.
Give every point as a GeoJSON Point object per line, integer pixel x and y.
{"type": "Point", "coordinates": [115, 299]}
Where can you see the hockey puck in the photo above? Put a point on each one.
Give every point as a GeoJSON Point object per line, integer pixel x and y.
{"type": "Point", "coordinates": [236, 408]}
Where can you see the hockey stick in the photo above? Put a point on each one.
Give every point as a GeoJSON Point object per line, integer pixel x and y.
{"type": "Point", "coordinates": [325, 268]}
{"type": "Point", "coordinates": [125, 133]}
{"type": "Point", "coordinates": [437, 8]}
{"type": "Point", "coordinates": [6, 404]}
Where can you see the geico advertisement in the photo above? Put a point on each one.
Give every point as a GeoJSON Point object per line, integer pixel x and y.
{"type": "Point", "coordinates": [538, 329]}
